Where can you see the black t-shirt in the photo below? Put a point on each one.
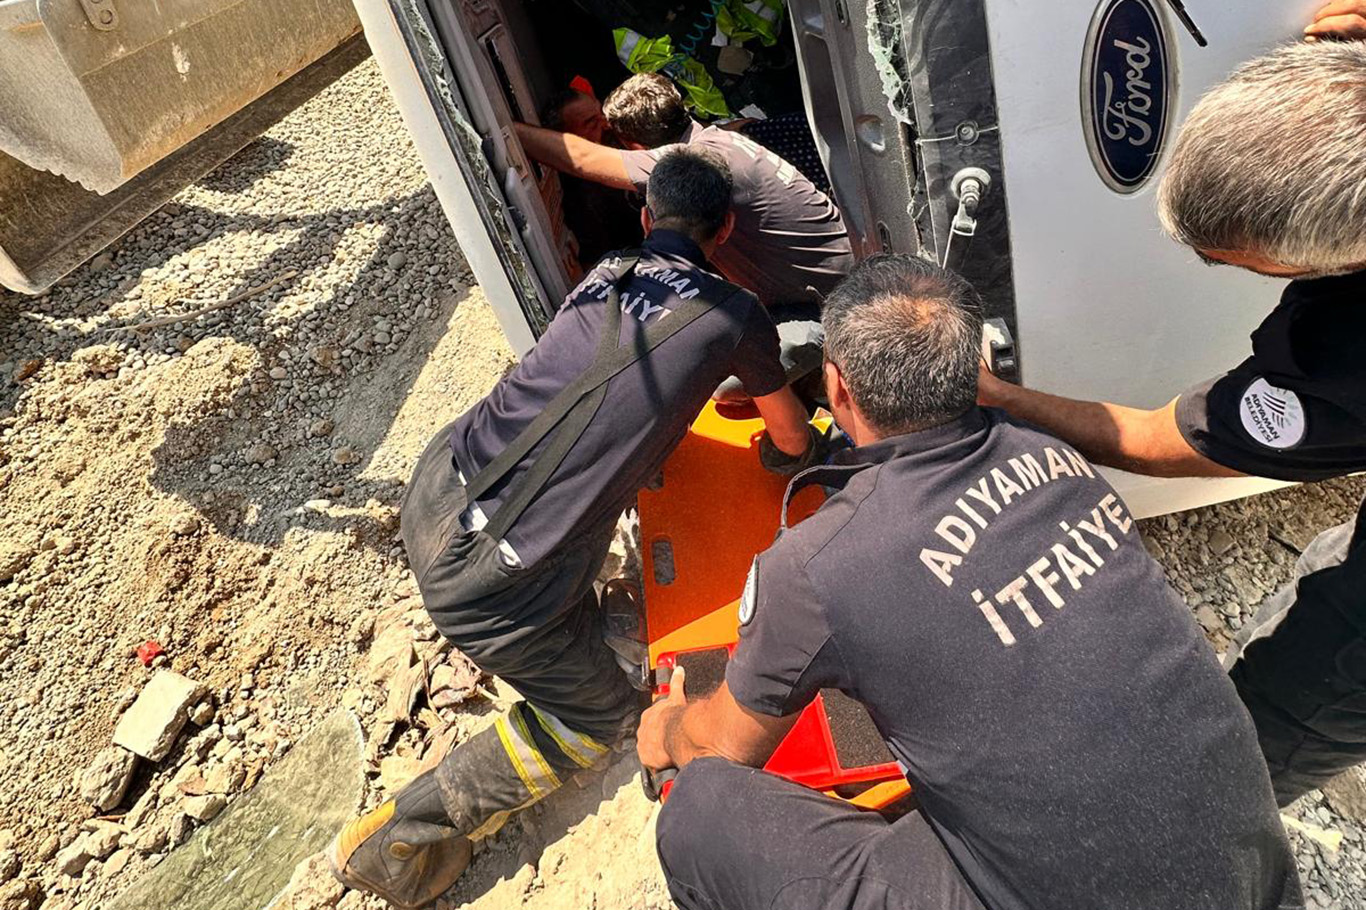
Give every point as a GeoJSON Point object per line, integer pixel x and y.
{"type": "Point", "coordinates": [1069, 734]}
{"type": "Point", "coordinates": [648, 406]}
{"type": "Point", "coordinates": [789, 244]}
{"type": "Point", "coordinates": [1295, 409]}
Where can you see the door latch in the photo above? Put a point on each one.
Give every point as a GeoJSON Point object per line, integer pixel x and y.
{"type": "Point", "coordinates": [998, 350]}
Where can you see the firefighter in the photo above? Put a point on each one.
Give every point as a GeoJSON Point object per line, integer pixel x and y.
{"type": "Point", "coordinates": [510, 511]}
{"type": "Point", "coordinates": [982, 591]}
{"type": "Point", "coordinates": [789, 246]}
{"type": "Point", "coordinates": [1269, 174]}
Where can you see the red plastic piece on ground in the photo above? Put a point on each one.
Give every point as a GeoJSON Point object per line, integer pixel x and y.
{"type": "Point", "coordinates": [149, 651]}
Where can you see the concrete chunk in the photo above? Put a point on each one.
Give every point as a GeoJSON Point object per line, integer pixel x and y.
{"type": "Point", "coordinates": [105, 782]}
{"type": "Point", "coordinates": [151, 726]}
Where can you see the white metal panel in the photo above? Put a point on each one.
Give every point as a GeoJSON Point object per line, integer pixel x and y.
{"type": "Point", "coordinates": [1108, 307]}
{"type": "Point", "coordinates": [457, 201]}
{"type": "Point", "coordinates": [1149, 496]}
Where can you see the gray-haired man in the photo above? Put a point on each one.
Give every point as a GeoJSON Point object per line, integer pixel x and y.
{"type": "Point", "coordinates": [1269, 174]}
{"type": "Point", "coordinates": [982, 592]}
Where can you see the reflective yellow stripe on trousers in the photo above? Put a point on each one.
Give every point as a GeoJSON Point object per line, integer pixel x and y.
{"type": "Point", "coordinates": [581, 749]}
{"type": "Point", "coordinates": [531, 766]}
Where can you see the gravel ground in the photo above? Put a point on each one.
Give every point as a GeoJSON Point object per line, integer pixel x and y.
{"type": "Point", "coordinates": [1224, 560]}
{"type": "Point", "coordinates": [227, 485]}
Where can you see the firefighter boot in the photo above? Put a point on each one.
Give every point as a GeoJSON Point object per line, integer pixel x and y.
{"type": "Point", "coordinates": [406, 851]}
{"type": "Point", "coordinates": [412, 849]}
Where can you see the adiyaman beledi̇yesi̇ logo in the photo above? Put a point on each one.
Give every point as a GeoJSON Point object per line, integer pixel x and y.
{"type": "Point", "coordinates": [1273, 416]}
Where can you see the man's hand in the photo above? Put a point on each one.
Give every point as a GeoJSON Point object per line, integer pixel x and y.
{"type": "Point", "coordinates": [776, 461]}
{"type": "Point", "coordinates": [652, 738]}
{"type": "Point", "coordinates": [1342, 20]}
{"type": "Point", "coordinates": [785, 421]}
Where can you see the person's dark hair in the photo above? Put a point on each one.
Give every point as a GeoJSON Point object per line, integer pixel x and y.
{"type": "Point", "coordinates": [906, 336]}
{"type": "Point", "coordinates": [552, 112]}
{"type": "Point", "coordinates": [647, 110]}
{"type": "Point", "coordinates": [689, 191]}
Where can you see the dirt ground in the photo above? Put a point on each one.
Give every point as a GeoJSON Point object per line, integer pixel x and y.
{"type": "Point", "coordinates": [227, 485]}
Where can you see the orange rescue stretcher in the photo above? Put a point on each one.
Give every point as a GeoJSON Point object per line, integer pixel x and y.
{"type": "Point", "coordinates": [700, 529]}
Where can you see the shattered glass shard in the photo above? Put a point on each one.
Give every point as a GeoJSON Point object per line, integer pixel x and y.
{"type": "Point", "coordinates": [885, 47]}
{"type": "Point", "coordinates": [243, 859]}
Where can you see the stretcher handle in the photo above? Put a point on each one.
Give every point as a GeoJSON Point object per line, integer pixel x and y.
{"type": "Point", "coordinates": [654, 782]}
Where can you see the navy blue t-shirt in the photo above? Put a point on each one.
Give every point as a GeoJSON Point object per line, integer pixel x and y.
{"type": "Point", "coordinates": [648, 406]}
{"type": "Point", "coordinates": [1071, 738]}
{"type": "Point", "coordinates": [1295, 409]}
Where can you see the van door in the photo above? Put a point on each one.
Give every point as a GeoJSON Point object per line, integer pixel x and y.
{"type": "Point", "coordinates": [1070, 107]}
{"type": "Point", "coordinates": [452, 67]}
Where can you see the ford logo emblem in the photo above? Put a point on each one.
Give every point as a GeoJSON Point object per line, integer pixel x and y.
{"type": "Point", "coordinates": [1128, 81]}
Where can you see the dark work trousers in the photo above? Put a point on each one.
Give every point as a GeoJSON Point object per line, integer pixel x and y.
{"type": "Point", "coordinates": [735, 838]}
{"type": "Point", "coordinates": [538, 628]}
{"type": "Point", "coordinates": [1301, 666]}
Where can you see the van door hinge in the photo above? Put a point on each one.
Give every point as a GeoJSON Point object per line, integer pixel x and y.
{"type": "Point", "coordinates": [101, 14]}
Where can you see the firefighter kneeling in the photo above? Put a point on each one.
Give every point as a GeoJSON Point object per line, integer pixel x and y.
{"type": "Point", "coordinates": [510, 511]}
{"type": "Point", "coordinates": [981, 590]}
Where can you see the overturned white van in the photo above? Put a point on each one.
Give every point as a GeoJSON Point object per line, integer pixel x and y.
{"type": "Point", "coordinates": [1066, 108]}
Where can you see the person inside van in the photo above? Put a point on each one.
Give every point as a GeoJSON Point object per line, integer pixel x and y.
{"type": "Point", "coordinates": [602, 218]}
{"type": "Point", "coordinates": [1269, 174]}
{"type": "Point", "coordinates": [789, 246]}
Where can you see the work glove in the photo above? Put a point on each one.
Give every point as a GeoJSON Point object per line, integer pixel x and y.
{"type": "Point", "coordinates": [776, 461]}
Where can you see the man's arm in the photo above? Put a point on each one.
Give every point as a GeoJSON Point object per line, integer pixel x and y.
{"type": "Point", "coordinates": [574, 155]}
{"type": "Point", "coordinates": [1144, 442]}
{"type": "Point", "coordinates": [675, 731]}
{"type": "Point", "coordinates": [786, 421]}
{"type": "Point", "coordinates": [1343, 20]}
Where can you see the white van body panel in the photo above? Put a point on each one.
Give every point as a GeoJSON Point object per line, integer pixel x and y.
{"type": "Point", "coordinates": [1147, 321]}
{"type": "Point", "coordinates": [454, 193]}
{"type": "Point", "coordinates": [1107, 306]}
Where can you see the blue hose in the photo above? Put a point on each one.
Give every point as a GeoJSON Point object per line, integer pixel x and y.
{"type": "Point", "coordinates": [703, 28]}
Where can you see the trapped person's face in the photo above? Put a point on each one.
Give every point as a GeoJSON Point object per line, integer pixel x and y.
{"type": "Point", "coordinates": [583, 117]}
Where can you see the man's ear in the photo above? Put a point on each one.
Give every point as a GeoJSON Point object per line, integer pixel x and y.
{"type": "Point", "coordinates": [836, 392]}
{"type": "Point", "coordinates": [726, 227]}
{"type": "Point", "coordinates": [647, 220]}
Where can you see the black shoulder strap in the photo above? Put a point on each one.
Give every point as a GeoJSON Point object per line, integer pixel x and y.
{"type": "Point", "coordinates": [561, 404]}
{"type": "Point", "coordinates": [571, 411]}
{"type": "Point", "coordinates": [828, 475]}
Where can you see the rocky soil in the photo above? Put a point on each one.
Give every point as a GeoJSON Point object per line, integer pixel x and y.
{"type": "Point", "coordinates": [226, 485]}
